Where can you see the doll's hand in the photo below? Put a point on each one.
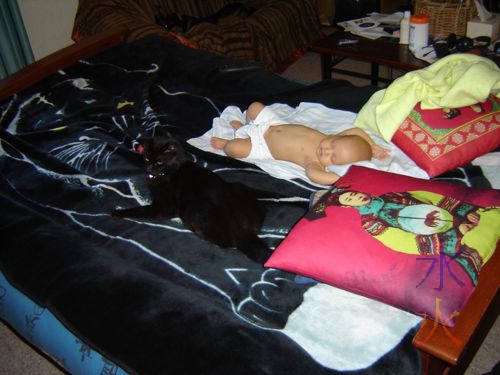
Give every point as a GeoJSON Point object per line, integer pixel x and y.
{"type": "Point", "coordinates": [379, 152]}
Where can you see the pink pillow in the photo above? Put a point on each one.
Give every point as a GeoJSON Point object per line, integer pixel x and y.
{"type": "Point", "coordinates": [442, 139]}
{"type": "Point", "coordinates": [408, 242]}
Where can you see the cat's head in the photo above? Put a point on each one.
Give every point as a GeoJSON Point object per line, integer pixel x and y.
{"type": "Point", "coordinates": [162, 156]}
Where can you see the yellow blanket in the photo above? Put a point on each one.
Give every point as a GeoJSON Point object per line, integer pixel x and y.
{"type": "Point", "coordinates": [456, 80]}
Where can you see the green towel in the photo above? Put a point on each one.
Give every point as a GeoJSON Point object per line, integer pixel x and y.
{"type": "Point", "coordinates": [454, 81]}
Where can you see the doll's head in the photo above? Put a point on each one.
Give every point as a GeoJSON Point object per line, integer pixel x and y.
{"type": "Point", "coordinates": [345, 149]}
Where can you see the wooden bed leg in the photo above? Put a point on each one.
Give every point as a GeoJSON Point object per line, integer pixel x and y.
{"type": "Point", "coordinates": [432, 366]}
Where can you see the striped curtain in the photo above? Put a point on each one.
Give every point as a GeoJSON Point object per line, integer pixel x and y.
{"type": "Point", "coordinates": [15, 49]}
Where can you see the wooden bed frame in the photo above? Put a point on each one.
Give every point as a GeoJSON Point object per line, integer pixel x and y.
{"type": "Point", "coordinates": [441, 352]}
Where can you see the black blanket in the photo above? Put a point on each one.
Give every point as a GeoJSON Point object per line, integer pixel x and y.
{"type": "Point", "coordinates": [150, 295]}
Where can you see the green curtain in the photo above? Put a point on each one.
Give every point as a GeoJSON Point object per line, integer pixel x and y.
{"type": "Point", "coordinates": [15, 49]}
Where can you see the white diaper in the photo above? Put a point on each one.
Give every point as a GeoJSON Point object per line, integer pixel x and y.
{"type": "Point", "coordinates": [255, 131]}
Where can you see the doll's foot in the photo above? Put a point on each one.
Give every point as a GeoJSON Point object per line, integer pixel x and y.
{"type": "Point", "coordinates": [236, 124]}
{"type": "Point", "coordinates": [218, 143]}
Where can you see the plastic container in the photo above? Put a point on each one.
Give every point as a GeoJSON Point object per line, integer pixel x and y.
{"type": "Point", "coordinates": [419, 32]}
{"type": "Point", "coordinates": [404, 28]}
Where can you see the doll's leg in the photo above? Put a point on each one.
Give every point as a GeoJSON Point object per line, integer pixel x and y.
{"type": "Point", "coordinates": [236, 148]}
{"type": "Point", "coordinates": [253, 111]}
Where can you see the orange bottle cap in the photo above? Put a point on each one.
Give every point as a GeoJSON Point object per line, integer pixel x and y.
{"type": "Point", "coordinates": [419, 18]}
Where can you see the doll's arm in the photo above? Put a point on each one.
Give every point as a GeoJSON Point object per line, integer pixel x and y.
{"type": "Point", "coordinates": [316, 173]}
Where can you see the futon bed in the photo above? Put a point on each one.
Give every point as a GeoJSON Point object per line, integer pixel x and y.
{"type": "Point", "coordinates": [105, 295]}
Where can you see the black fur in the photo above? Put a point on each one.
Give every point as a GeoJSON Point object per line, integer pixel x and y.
{"type": "Point", "coordinates": [223, 213]}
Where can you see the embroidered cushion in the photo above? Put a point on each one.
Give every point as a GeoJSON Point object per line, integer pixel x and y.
{"type": "Point", "coordinates": [442, 139]}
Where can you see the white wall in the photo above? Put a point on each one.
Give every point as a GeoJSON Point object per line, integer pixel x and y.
{"type": "Point", "coordinates": [48, 24]}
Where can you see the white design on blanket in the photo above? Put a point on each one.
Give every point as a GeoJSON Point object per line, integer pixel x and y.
{"type": "Point", "coordinates": [317, 116]}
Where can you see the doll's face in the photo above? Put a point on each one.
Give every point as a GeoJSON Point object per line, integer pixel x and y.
{"type": "Point", "coordinates": [335, 150]}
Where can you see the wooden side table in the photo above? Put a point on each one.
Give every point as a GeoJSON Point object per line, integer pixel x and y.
{"type": "Point", "coordinates": [382, 51]}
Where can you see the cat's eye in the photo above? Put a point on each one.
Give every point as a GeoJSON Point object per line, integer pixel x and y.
{"type": "Point", "coordinates": [146, 159]}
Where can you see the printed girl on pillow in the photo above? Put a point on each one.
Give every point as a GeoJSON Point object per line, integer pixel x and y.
{"type": "Point", "coordinates": [421, 223]}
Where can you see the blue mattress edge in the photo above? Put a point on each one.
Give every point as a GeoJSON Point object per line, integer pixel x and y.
{"type": "Point", "coordinates": [43, 330]}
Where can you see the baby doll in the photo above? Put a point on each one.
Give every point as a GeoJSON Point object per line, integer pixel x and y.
{"type": "Point", "coordinates": [267, 136]}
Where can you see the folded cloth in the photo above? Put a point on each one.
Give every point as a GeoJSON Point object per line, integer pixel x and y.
{"type": "Point", "coordinates": [456, 80]}
{"type": "Point", "coordinates": [319, 117]}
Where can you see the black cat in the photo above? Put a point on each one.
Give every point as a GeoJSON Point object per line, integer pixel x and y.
{"type": "Point", "coordinates": [226, 214]}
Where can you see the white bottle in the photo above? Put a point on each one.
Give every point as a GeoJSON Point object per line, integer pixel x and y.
{"type": "Point", "coordinates": [404, 28]}
{"type": "Point", "coordinates": [419, 32]}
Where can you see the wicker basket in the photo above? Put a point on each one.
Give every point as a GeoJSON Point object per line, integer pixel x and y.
{"type": "Point", "coordinates": [447, 16]}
